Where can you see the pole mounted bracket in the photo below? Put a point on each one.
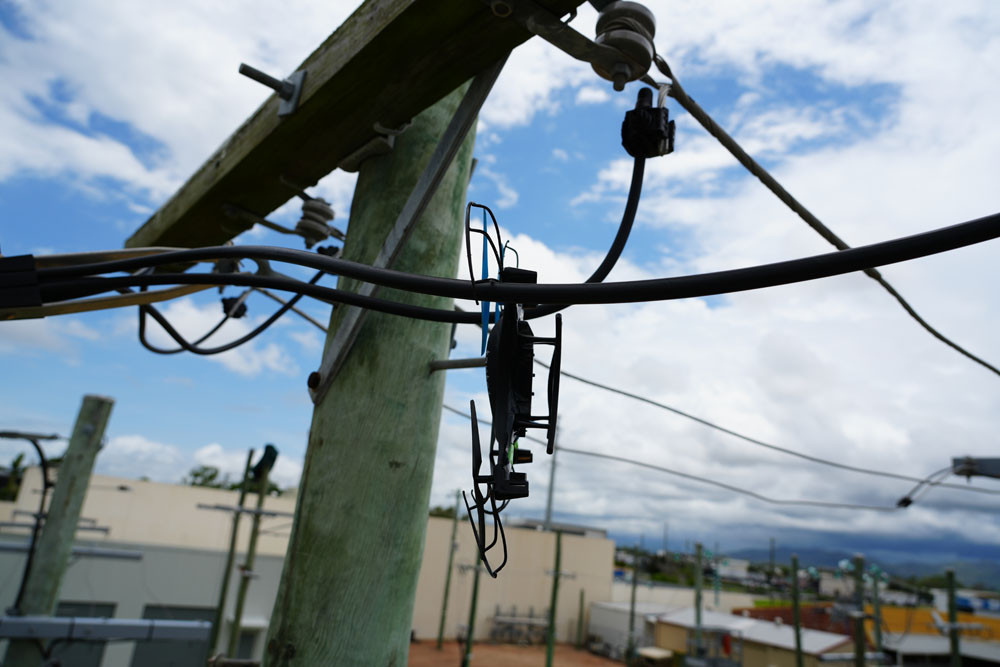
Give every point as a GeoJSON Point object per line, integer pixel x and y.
{"type": "Point", "coordinates": [288, 90]}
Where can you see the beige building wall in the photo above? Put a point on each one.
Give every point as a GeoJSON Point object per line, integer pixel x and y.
{"type": "Point", "coordinates": [680, 597]}
{"type": "Point", "coordinates": [166, 514]}
{"type": "Point", "coordinates": [524, 582]}
{"type": "Point", "coordinates": [155, 513]}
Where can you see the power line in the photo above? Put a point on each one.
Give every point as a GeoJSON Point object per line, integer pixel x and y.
{"type": "Point", "coordinates": [706, 121]}
{"type": "Point", "coordinates": [760, 443]}
{"type": "Point", "coordinates": [703, 480]}
{"type": "Point", "coordinates": [53, 287]}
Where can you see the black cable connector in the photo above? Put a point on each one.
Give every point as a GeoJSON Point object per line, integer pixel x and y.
{"type": "Point", "coordinates": [234, 306]}
{"type": "Point", "coordinates": [19, 282]}
{"type": "Point", "coordinates": [647, 131]}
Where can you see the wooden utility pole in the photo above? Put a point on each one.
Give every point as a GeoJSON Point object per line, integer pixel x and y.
{"type": "Point", "coordinates": [230, 557]}
{"type": "Point", "coordinates": [361, 517]}
{"type": "Point", "coordinates": [796, 611]}
{"type": "Point", "coordinates": [447, 575]}
{"type": "Point", "coordinates": [630, 649]}
{"type": "Point", "coordinates": [52, 551]}
{"type": "Point", "coordinates": [246, 571]}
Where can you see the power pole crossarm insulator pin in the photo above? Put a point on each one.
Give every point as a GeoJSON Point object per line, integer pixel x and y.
{"type": "Point", "coordinates": [288, 90]}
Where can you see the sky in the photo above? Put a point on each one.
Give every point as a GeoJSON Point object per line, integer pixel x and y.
{"type": "Point", "coordinates": [879, 116]}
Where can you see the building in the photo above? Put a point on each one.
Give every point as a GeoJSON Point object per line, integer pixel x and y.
{"type": "Point", "coordinates": [183, 550]}
{"type": "Point", "coordinates": [608, 627]}
{"type": "Point", "coordinates": [746, 641]}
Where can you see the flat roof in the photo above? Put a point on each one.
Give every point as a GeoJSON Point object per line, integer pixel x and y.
{"type": "Point", "coordinates": [758, 631]}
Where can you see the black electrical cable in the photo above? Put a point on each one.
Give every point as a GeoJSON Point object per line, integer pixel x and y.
{"type": "Point", "coordinates": [760, 443]}
{"type": "Point", "coordinates": [729, 487]}
{"type": "Point", "coordinates": [36, 529]}
{"type": "Point", "coordinates": [708, 284]}
{"type": "Point", "coordinates": [194, 343]}
{"type": "Point", "coordinates": [193, 347]}
{"type": "Point", "coordinates": [751, 165]}
{"type": "Point", "coordinates": [704, 480]}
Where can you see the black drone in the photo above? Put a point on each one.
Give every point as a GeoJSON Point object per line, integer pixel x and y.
{"type": "Point", "coordinates": [509, 348]}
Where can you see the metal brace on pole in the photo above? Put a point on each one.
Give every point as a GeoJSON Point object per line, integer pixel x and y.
{"type": "Point", "coordinates": [444, 153]}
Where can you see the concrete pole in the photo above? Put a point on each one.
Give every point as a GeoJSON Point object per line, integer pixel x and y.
{"type": "Point", "coordinates": [361, 516]}
{"type": "Point", "coordinates": [550, 643]}
{"type": "Point", "coordinates": [246, 572]}
{"type": "Point", "coordinates": [447, 575]}
{"type": "Point", "coordinates": [52, 551]}
{"type": "Point", "coordinates": [796, 611]}
{"type": "Point", "coordinates": [956, 654]}
{"type": "Point", "coordinates": [230, 557]}
{"type": "Point", "coordinates": [552, 486]}
{"type": "Point", "coordinates": [859, 617]}
{"type": "Point", "coordinates": [467, 655]}
{"type": "Point", "coordinates": [697, 598]}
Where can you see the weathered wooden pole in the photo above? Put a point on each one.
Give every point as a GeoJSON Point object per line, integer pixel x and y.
{"type": "Point", "coordinates": [579, 622]}
{"type": "Point", "coordinates": [41, 590]}
{"type": "Point", "coordinates": [447, 575]}
{"type": "Point", "coordinates": [230, 557]}
{"type": "Point", "coordinates": [630, 649]}
{"type": "Point", "coordinates": [347, 590]}
{"type": "Point", "coordinates": [550, 640]}
{"type": "Point", "coordinates": [246, 571]}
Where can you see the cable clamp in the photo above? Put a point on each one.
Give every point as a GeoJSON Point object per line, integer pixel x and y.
{"type": "Point", "coordinates": [380, 144]}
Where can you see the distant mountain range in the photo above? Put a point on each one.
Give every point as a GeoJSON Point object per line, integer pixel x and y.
{"type": "Point", "coordinates": [973, 573]}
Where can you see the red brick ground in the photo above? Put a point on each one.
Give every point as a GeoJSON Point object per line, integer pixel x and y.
{"type": "Point", "coordinates": [425, 654]}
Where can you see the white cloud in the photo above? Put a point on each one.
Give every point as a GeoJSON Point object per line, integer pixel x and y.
{"type": "Point", "coordinates": [592, 95]}
{"type": "Point", "coordinates": [231, 462]}
{"type": "Point", "coordinates": [192, 320]}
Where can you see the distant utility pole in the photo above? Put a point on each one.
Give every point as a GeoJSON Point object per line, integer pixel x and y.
{"type": "Point", "coordinates": [697, 598]}
{"type": "Point", "coordinates": [876, 610]}
{"type": "Point", "coordinates": [230, 556]}
{"type": "Point", "coordinates": [550, 643]}
{"type": "Point", "coordinates": [52, 550]}
{"type": "Point", "coordinates": [859, 613]}
{"type": "Point", "coordinates": [770, 573]}
{"type": "Point", "coordinates": [630, 649]}
{"type": "Point", "coordinates": [470, 634]}
{"type": "Point", "coordinates": [796, 611]}
{"type": "Point", "coordinates": [552, 486]}
{"type": "Point", "coordinates": [361, 516]}
{"type": "Point", "coordinates": [260, 475]}
{"type": "Point", "coordinates": [579, 622]}
{"type": "Point", "coordinates": [452, 545]}
{"type": "Point", "coordinates": [953, 628]}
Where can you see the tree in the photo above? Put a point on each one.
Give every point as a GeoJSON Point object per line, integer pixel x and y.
{"type": "Point", "coordinates": [210, 476]}
{"type": "Point", "coordinates": [13, 484]}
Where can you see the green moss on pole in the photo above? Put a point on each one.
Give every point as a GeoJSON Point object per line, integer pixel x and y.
{"type": "Point", "coordinates": [347, 590]}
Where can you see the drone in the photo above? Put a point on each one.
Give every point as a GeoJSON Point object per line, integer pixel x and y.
{"type": "Point", "coordinates": [509, 349]}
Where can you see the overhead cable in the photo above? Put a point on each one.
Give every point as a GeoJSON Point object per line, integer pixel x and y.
{"type": "Point", "coordinates": [678, 93]}
{"type": "Point", "coordinates": [53, 285]}
{"type": "Point", "coordinates": [921, 481]}
{"type": "Point", "coordinates": [703, 480]}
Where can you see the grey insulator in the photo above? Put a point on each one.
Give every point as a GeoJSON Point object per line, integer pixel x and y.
{"type": "Point", "coordinates": [630, 28]}
{"type": "Point", "coordinates": [314, 225]}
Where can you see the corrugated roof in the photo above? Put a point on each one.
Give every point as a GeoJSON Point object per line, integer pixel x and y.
{"type": "Point", "coordinates": [761, 632]}
{"type": "Point", "coordinates": [940, 645]}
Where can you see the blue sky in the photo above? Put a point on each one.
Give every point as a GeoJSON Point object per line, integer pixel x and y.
{"type": "Point", "coordinates": [880, 117]}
